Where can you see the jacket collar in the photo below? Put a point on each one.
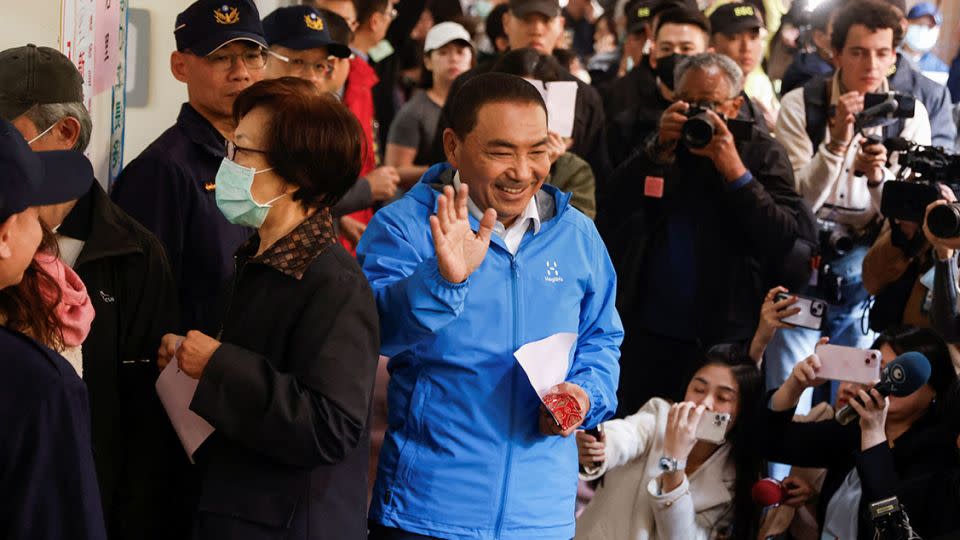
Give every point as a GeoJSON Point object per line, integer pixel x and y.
{"type": "Point", "coordinates": [200, 131]}
{"type": "Point", "coordinates": [292, 254]}
{"type": "Point", "coordinates": [109, 229]}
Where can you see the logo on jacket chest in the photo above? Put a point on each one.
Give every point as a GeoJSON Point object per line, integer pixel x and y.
{"type": "Point", "coordinates": [553, 273]}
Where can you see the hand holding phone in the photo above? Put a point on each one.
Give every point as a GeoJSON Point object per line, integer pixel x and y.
{"type": "Point", "coordinates": [811, 312]}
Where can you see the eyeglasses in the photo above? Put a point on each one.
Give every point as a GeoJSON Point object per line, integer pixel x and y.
{"type": "Point", "coordinates": [232, 149]}
{"type": "Point", "coordinates": [300, 65]}
{"type": "Point", "coordinates": [254, 59]}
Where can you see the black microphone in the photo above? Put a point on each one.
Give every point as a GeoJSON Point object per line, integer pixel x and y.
{"type": "Point", "coordinates": [902, 377]}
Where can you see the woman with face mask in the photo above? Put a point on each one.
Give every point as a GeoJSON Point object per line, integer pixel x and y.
{"type": "Point", "coordinates": [288, 381]}
{"type": "Point", "coordinates": [898, 441]}
{"type": "Point", "coordinates": [666, 480]}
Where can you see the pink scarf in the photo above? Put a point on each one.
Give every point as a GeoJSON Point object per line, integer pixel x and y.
{"type": "Point", "coordinates": [75, 310]}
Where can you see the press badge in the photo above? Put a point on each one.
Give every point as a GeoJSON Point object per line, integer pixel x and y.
{"type": "Point", "coordinates": [653, 187]}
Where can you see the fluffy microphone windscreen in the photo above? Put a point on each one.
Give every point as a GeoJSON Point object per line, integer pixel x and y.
{"type": "Point", "coordinates": [768, 492]}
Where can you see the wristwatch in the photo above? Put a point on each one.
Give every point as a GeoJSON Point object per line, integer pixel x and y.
{"type": "Point", "coordinates": [669, 464]}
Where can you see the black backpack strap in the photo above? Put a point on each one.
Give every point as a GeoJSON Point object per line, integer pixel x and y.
{"type": "Point", "coordinates": [816, 104]}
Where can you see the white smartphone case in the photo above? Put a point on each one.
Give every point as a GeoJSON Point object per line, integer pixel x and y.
{"type": "Point", "coordinates": [713, 427]}
{"type": "Point", "coordinates": [812, 312]}
{"type": "Point", "coordinates": [840, 363]}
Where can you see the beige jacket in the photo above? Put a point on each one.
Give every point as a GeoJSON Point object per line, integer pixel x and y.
{"type": "Point", "coordinates": [627, 505]}
{"type": "Point", "coordinates": [827, 181]}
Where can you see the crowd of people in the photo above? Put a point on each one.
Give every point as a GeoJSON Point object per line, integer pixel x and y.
{"type": "Point", "coordinates": [368, 213]}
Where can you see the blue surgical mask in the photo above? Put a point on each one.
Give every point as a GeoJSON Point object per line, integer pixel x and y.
{"type": "Point", "coordinates": [922, 38]}
{"type": "Point", "coordinates": [234, 198]}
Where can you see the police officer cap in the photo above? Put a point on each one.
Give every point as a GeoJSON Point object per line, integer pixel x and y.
{"type": "Point", "coordinates": [301, 28]}
{"type": "Point", "coordinates": [207, 25]}
{"type": "Point", "coordinates": [736, 17]}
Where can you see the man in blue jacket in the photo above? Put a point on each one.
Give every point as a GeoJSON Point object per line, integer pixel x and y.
{"type": "Point", "coordinates": [477, 260]}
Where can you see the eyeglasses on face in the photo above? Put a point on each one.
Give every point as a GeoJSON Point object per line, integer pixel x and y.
{"type": "Point", "coordinates": [231, 150]}
{"type": "Point", "coordinates": [252, 59]}
{"type": "Point", "coordinates": [299, 65]}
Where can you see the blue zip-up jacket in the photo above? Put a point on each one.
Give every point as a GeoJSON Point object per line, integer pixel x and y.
{"type": "Point", "coordinates": [463, 456]}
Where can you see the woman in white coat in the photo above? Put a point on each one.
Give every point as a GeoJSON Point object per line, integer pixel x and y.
{"type": "Point", "coordinates": [659, 482]}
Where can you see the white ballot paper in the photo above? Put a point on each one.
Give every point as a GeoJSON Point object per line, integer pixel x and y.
{"type": "Point", "coordinates": [547, 361]}
{"type": "Point", "coordinates": [176, 390]}
{"type": "Point", "coordinates": [561, 98]}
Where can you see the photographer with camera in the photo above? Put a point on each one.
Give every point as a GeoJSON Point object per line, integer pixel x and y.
{"type": "Point", "coordinates": [840, 172]}
{"type": "Point", "coordinates": [900, 272]}
{"type": "Point", "coordinates": [691, 221]}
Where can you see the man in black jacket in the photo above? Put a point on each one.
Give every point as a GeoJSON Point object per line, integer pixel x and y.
{"type": "Point", "coordinates": [694, 232]}
{"type": "Point", "coordinates": [128, 278]}
{"type": "Point", "coordinates": [538, 24]}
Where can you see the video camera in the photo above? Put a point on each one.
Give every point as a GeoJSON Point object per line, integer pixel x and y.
{"type": "Point", "coordinates": [699, 128]}
{"type": "Point", "coordinates": [921, 169]}
{"type": "Point", "coordinates": [883, 109]}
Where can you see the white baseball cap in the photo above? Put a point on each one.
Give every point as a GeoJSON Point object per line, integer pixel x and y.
{"type": "Point", "coordinates": [444, 33]}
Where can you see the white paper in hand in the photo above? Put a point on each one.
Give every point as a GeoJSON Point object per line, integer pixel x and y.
{"type": "Point", "coordinates": [176, 390]}
{"type": "Point", "coordinates": [561, 104]}
{"type": "Point", "coordinates": [546, 362]}
{"type": "Point", "coordinates": [561, 99]}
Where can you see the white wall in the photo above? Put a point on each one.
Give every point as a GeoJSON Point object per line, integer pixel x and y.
{"type": "Point", "coordinates": [38, 22]}
{"type": "Point", "coordinates": [166, 94]}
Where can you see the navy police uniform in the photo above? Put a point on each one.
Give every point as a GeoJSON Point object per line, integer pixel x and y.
{"type": "Point", "coordinates": [170, 187]}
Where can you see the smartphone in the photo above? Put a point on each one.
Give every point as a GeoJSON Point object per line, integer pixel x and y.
{"type": "Point", "coordinates": [596, 432]}
{"type": "Point", "coordinates": [812, 311]}
{"type": "Point", "coordinates": [713, 427]}
{"type": "Point", "coordinates": [840, 363]}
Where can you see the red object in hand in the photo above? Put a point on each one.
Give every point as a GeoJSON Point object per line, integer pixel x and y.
{"type": "Point", "coordinates": [564, 408]}
{"type": "Point", "coordinates": [768, 492]}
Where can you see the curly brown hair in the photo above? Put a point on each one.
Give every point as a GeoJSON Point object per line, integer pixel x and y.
{"type": "Point", "coordinates": [874, 14]}
{"type": "Point", "coordinates": [25, 306]}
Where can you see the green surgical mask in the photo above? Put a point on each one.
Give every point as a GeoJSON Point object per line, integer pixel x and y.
{"type": "Point", "coordinates": [234, 198]}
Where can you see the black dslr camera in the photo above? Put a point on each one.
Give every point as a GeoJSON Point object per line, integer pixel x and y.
{"type": "Point", "coordinates": [926, 167]}
{"type": "Point", "coordinates": [699, 129]}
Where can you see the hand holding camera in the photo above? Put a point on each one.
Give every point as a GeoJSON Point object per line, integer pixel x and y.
{"type": "Point", "coordinates": [870, 160]}
{"type": "Point", "coordinates": [774, 310]}
{"type": "Point", "coordinates": [841, 125]}
{"type": "Point", "coordinates": [706, 134]}
{"type": "Point", "coordinates": [671, 126]}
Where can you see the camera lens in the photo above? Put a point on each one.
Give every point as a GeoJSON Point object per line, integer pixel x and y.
{"type": "Point", "coordinates": [698, 131]}
{"type": "Point", "coordinates": [944, 221]}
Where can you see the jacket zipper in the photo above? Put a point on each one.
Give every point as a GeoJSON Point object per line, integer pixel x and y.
{"type": "Point", "coordinates": [237, 272]}
{"type": "Point", "coordinates": [515, 275]}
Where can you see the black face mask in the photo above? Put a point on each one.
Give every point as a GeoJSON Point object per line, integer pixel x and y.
{"type": "Point", "coordinates": [666, 67]}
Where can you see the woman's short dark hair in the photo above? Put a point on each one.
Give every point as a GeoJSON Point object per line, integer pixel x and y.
{"type": "Point", "coordinates": [312, 141]}
{"type": "Point", "coordinates": [929, 343]}
{"type": "Point", "coordinates": [30, 306]}
{"type": "Point", "coordinates": [874, 14]}
{"type": "Point", "coordinates": [485, 89]}
{"type": "Point", "coordinates": [493, 26]}
{"type": "Point", "coordinates": [530, 63]}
